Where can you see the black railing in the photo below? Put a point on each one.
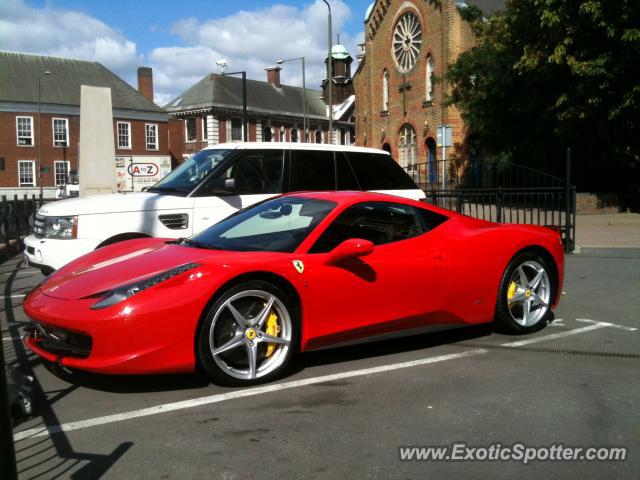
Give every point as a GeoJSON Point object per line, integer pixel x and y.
{"type": "Point", "coordinates": [478, 173]}
{"type": "Point", "coordinates": [16, 221]}
{"type": "Point", "coordinates": [552, 207]}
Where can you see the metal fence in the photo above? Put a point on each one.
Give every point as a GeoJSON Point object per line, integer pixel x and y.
{"type": "Point", "coordinates": [478, 173]}
{"type": "Point", "coordinates": [551, 207]}
{"type": "Point", "coordinates": [509, 193]}
{"type": "Point", "coordinates": [16, 220]}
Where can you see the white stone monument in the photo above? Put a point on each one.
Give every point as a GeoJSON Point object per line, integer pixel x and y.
{"type": "Point", "coordinates": [96, 170]}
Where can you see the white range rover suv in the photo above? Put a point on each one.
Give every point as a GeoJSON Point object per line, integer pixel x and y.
{"type": "Point", "coordinates": [209, 186]}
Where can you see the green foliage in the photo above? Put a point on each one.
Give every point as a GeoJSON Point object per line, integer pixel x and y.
{"type": "Point", "coordinates": [547, 74]}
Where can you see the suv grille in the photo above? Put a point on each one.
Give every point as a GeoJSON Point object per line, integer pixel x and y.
{"type": "Point", "coordinates": [38, 226]}
{"type": "Point", "coordinates": [175, 221]}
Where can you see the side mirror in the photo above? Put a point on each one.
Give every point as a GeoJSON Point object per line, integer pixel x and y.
{"type": "Point", "coordinates": [351, 248]}
{"type": "Point", "coordinates": [230, 184]}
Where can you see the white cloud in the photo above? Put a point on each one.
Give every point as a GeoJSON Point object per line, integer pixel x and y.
{"type": "Point", "coordinates": [251, 41]}
{"type": "Point", "coordinates": [66, 33]}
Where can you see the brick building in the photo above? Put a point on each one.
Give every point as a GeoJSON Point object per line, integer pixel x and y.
{"type": "Point", "coordinates": [399, 103]}
{"type": "Point", "coordinates": [210, 112]}
{"type": "Point", "coordinates": [140, 127]}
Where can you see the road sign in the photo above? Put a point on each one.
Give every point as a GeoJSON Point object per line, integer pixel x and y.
{"type": "Point", "coordinates": [447, 136]}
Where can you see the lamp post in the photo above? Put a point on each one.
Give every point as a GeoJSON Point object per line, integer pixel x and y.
{"type": "Point", "coordinates": [330, 75]}
{"type": "Point", "coordinates": [305, 120]}
{"type": "Point", "coordinates": [245, 133]}
{"type": "Point", "coordinates": [46, 72]}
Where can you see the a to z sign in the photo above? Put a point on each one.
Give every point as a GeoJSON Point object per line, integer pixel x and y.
{"type": "Point", "coordinates": [142, 169]}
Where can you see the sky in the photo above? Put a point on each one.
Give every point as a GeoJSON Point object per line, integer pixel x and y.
{"type": "Point", "coordinates": [182, 40]}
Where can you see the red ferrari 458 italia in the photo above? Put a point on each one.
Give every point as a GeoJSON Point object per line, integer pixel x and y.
{"type": "Point", "coordinates": [294, 273]}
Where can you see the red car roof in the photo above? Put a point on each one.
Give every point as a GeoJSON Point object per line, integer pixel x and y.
{"type": "Point", "coordinates": [356, 196]}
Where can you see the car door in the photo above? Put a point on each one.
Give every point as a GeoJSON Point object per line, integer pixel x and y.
{"type": "Point", "coordinates": [255, 175]}
{"type": "Point", "coordinates": [397, 286]}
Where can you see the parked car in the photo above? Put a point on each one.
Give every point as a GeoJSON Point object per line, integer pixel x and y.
{"type": "Point", "coordinates": [295, 273]}
{"type": "Point", "coordinates": [206, 188]}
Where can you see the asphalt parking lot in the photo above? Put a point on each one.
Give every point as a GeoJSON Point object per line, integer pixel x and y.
{"type": "Point", "coordinates": [345, 412]}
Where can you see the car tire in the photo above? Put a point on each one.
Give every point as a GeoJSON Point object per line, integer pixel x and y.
{"type": "Point", "coordinates": [233, 346]}
{"type": "Point", "coordinates": [525, 294]}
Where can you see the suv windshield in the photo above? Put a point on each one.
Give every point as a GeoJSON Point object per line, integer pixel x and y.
{"type": "Point", "coordinates": [188, 175]}
{"type": "Point", "coordinates": [277, 225]}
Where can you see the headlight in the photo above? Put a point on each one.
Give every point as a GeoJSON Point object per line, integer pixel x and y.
{"type": "Point", "coordinates": [61, 227]}
{"type": "Point", "coordinates": [119, 294]}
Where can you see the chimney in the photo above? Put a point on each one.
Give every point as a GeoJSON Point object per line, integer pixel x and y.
{"type": "Point", "coordinates": [273, 75]}
{"type": "Point", "coordinates": [145, 82]}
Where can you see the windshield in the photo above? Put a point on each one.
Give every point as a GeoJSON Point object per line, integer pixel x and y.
{"type": "Point", "coordinates": [277, 225]}
{"type": "Point", "coordinates": [188, 175]}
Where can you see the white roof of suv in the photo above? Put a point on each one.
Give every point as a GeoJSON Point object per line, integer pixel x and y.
{"type": "Point", "coordinates": [293, 146]}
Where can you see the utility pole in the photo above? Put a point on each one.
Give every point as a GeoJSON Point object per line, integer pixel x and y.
{"type": "Point", "coordinates": [40, 167]}
{"type": "Point", "coordinates": [330, 75]}
{"type": "Point", "coordinates": [305, 119]}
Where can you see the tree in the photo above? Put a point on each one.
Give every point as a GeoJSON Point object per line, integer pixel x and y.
{"type": "Point", "coordinates": [547, 74]}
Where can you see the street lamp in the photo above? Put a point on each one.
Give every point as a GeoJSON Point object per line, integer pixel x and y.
{"type": "Point", "coordinates": [245, 133]}
{"type": "Point", "coordinates": [305, 120]}
{"type": "Point", "coordinates": [46, 72]}
{"type": "Point", "coordinates": [330, 75]}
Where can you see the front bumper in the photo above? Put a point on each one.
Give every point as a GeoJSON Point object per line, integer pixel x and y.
{"type": "Point", "coordinates": [138, 337]}
{"type": "Point", "coordinates": [53, 253]}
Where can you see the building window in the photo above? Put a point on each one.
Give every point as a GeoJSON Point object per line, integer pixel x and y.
{"type": "Point", "coordinates": [267, 135]}
{"type": "Point", "coordinates": [407, 40]}
{"type": "Point", "coordinates": [318, 136]}
{"type": "Point", "coordinates": [124, 134]}
{"type": "Point", "coordinates": [151, 130]}
{"type": "Point", "coordinates": [407, 146]}
{"type": "Point", "coordinates": [294, 135]}
{"type": "Point", "coordinates": [26, 173]}
{"type": "Point", "coordinates": [236, 130]}
{"type": "Point", "coordinates": [429, 79]}
{"type": "Point", "coordinates": [60, 132]}
{"type": "Point", "coordinates": [24, 130]}
{"type": "Point", "coordinates": [61, 170]}
{"type": "Point", "coordinates": [190, 129]}
{"type": "Point", "coordinates": [205, 132]}
{"type": "Point", "coordinates": [385, 91]}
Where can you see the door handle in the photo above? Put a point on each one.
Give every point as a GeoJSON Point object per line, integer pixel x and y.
{"type": "Point", "coordinates": [438, 256]}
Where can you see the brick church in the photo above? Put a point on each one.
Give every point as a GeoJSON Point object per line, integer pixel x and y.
{"type": "Point", "coordinates": [399, 103]}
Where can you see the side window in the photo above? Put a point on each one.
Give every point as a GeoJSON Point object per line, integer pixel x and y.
{"type": "Point", "coordinates": [346, 177]}
{"type": "Point", "coordinates": [378, 222]}
{"type": "Point", "coordinates": [258, 172]}
{"type": "Point", "coordinates": [255, 172]}
{"type": "Point", "coordinates": [379, 172]}
{"type": "Point", "coordinates": [312, 170]}
{"type": "Point", "coordinates": [430, 220]}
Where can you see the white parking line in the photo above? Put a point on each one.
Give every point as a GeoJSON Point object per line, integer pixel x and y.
{"type": "Point", "coordinates": [249, 392]}
{"type": "Point", "coordinates": [607, 324]}
{"type": "Point", "coordinates": [553, 336]}
{"type": "Point", "coordinates": [12, 296]}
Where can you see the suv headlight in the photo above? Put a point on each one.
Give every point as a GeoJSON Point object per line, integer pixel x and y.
{"type": "Point", "coordinates": [120, 294]}
{"type": "Point", "coordinates": [61, 227]}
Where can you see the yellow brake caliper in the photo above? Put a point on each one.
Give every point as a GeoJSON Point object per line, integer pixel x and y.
{"type": "Point", "coordinates": [272, 329]}
{"type": "Point", "coordinates": [513, 288]}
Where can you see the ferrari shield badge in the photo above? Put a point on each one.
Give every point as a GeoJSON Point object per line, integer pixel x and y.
{"type": "Point", "coordinates": [299, 266]}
